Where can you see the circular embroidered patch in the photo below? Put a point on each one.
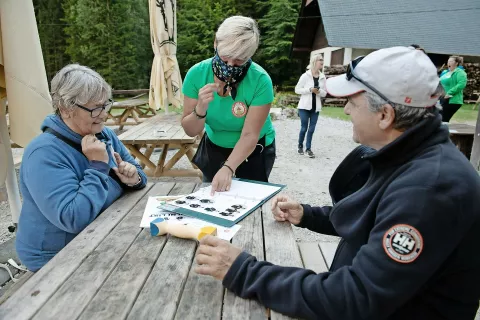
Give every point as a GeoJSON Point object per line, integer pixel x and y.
{"type": "Point", "coordinates": [403, 243]}
{"type": "Point", "coordinates": [239, 109]}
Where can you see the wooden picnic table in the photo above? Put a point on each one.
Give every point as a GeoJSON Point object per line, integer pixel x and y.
{"type": "Point", "coordinates": [133, 112]}
{"type": "Point", "coordinates": [462, 136]}
{"type": "Point", "coordinates": [115, 270]}
{"type": "Point", "coordinates": [163, 132]}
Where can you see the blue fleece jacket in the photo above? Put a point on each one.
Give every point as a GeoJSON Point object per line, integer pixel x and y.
{"type": "Point", "coordinates": [63, 192]}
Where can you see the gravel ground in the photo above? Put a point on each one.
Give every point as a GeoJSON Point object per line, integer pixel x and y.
{"type": "Point", "coordinates": [331, 143]}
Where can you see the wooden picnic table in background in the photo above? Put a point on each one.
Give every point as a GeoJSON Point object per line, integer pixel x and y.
{"type": "Point", "coordinates": [462, 136]}
{"type": "Point", "coordinates": [115, 270]}
{"type": "Point", "coordinates": [165, 132]}
{"type": "Point", "coordinates": [130, 112]}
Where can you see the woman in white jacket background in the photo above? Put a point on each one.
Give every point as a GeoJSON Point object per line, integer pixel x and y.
{"type": "Point", "coordinates": [311, 87]}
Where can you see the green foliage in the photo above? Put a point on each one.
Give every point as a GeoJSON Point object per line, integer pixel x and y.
{"type": "Point", "coordinates": [49, 14]}
{"type": "Point", "coordinates": [197, 23]}
{"type": "Point", "coordinates": [113, 36]}
{"type": "Point", "coordinates": [279, 25]}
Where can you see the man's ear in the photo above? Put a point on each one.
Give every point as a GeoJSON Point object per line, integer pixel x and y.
{"type": "Point", "coordinates": [387, 117]}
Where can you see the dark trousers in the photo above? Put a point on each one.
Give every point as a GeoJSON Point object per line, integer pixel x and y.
{"type": "Point", "coordinates": [308, 120]}
{"type": "Point", "coordinates": [448, 109]}
{"type": "Point", "coordinates": [258, 166]}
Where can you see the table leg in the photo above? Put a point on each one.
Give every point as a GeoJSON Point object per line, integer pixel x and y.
{"type": "Point", "coordinates": [159, 170]}
{"type": "Point", "coordinates": [124, 117]}
{"type": "Point", "coordinates": [190, 155]}
{"type": "Point", "coordinates": [177, 156]}
{"type": "Point", "coordinates": [136, 152]}
{"type": "Point", "coordinates": [148, 153]}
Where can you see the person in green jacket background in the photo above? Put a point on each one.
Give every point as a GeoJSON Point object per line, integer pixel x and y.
{"type": "Point", "coordinates": [453, 80]}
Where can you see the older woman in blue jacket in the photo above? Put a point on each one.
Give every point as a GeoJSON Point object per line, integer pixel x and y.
{"type": "Point", "coordinates": [72, 171]}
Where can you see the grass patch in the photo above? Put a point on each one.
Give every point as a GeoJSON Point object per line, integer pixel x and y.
{"type": "Point", "coordinates": [334, 112]}
{"type": "Point", "coordinates": [464, 114]}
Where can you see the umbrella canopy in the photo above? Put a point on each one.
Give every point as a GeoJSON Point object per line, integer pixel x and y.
{"type": "Point", "coordinates": [165, 80]}
{"type": "Point", "coordinates": [23, 81]}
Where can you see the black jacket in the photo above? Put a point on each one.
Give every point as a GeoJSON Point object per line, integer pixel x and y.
{"type": "Point", "coordinates": [409, 218]}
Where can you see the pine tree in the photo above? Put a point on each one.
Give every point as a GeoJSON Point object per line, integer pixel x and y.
{"type": "Point", "coordinates": [279, 25]}
{"type": "Point", "coordinates": [49, 16]}
{"type": "Point", "coordinates": [197, 23]}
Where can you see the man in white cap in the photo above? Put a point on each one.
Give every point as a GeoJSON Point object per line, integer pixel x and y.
{"type": "Point", "coordinates": [405, 202]}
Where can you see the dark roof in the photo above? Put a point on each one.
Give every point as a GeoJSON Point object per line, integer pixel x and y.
{"type": "Point", "coordinates": [307, 23]}
{"type": "Point", "coordinates": [439, 26]}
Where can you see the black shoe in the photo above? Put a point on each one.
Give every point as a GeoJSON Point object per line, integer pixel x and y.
{"type": "Point", "coordinates": [300, 150]}
{"type": "Point", "coordinates": [310, 154]}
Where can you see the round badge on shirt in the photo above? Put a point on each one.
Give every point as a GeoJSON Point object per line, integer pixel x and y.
{"type": "Point", "coordinates": [403, 243]}
{"type": "Point", "coordinates": [239, 109]}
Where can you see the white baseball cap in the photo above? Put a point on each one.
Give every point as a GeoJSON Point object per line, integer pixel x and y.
{"type": "Point", "coordinates": [404, 75]}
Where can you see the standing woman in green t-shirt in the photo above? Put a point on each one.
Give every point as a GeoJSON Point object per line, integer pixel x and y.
{"type": "Point", "coordinates": [230, 96]}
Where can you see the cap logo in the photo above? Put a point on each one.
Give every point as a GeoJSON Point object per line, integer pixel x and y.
{"type": "Point", "coordinates": [408, 100]}
{"type": "Point", "coordinates": [403, 243]}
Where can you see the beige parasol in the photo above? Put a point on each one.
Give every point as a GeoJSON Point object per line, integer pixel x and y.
{"type": "Point", "coordinates": [165, 80]}
{"type": "Point", "coordinates": [23, 82]}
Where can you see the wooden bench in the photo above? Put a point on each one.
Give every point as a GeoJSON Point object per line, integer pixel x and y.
{"type": "Point", "coordinates": [115, 270]}
{"type": "Point", "coordinates": [163, 132]}
{"type": "Point", "coordinates": [462, 136]}
{"type": "Point", "coordinates": [317, 256]}
{"type": "Point", "coordinates": [129, 112]}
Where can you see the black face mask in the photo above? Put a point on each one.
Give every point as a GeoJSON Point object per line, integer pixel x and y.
{"type": "Point", "coordinates": [231, 75]}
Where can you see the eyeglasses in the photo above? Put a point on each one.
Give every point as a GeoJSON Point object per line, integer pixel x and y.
{"type": "Point", "coordinates": [98, 111]}
{"type": "Point", "coordinates": [350, 74]}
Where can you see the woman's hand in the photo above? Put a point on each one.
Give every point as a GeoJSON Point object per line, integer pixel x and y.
{"type": "Point", "coordinates": [205, 96]}
{"type": "Point", "coordinates": [94, 149]}
{"type": "Point", "coordinates": [222, 180]}
{"type": "Point", "coordinates": [315, 90]}
{"type": "Point", "coordinates": [126, 172]}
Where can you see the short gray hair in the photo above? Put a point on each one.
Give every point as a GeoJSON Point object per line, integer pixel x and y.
{"type": "Point", "coordinates": [405, 116]}
{"type": "Point", "coordinates": [76, 84]}
{"type": "Point", "coordinates": [238, 37]}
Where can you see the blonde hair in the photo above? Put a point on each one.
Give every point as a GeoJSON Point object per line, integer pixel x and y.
{"type": "Point", "coordinates": [313, 60]}
{"type": "Point", "coordinates": [76, 84]}
{"type": "Point", "coordinates": [237, 37]}
{"type": "Point", "coordinates": [458, 59]}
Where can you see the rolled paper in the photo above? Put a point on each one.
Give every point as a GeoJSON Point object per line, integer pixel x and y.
{"type": "Point", "coordinates": [160, 227]}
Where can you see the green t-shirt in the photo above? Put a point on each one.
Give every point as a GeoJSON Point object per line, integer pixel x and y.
{"type": "Point", "coordinates": [225, 116]}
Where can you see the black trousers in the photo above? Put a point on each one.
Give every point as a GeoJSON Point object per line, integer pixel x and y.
{"type": "Point", "coordinates": [258, 166]}
{"type": "Point", "coordinates": [448, 109]}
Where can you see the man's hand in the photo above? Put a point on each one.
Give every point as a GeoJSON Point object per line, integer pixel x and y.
{"type": "Point", "coordinates": [447, 96]}
{"type": "Point", "coordinates": [222, 180]}
{"type": "Point", "coordinates": [126, 172]}
{"type": "Point", "coordinates": [94, 149]}
{"type": "Point", "coordinates": [215, 257]}
{"type": "Point", "coordinates": [286, 209]}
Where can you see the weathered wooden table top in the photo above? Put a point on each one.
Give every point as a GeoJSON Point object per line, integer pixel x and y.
{"type": "Point", "coordinates": [461, 129]}
{"type": "Point", "coordinates": [116, 270]}
{"type": "Point", "coordinates": [157, 129]}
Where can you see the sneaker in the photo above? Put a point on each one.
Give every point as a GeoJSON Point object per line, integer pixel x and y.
{"type": "Point", "coordinates": [300, 150]}
{"type": "Point", "coordinates": [310, 154]}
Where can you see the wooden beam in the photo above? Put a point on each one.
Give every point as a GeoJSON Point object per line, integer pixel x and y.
{"type": "Point", "coordinates": [475, 157]}
{"type": "Point", "coordinates": [131, 92]}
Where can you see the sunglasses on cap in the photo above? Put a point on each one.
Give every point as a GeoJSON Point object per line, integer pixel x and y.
{"type": "Point", "coordinates": [351, 74]}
